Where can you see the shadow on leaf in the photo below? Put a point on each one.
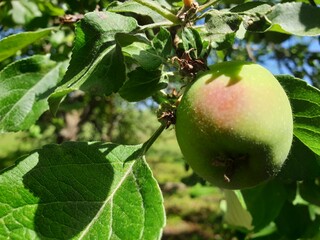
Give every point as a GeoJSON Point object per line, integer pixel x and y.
{"type": "Point", "coordinates": [72, 182]}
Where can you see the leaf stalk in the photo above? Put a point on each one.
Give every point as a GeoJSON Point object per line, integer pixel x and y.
{"type": "Point", "coordinates": [152, 139]}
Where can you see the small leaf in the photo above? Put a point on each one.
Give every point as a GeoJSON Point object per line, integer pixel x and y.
{"type": "Point", "coordinates": [162, 43]}
{"type": "Point", "coordinates": [295, 18]}
{"type": "Point", "coordinates": [24, 88]}
{"type": "Point", "coordinates": [305, 101]}
{"type": "Point", "coordinates": [140, 50]}
{"type": "Point", "coordinates": [221, 28]}
{"type": "Point", "coordinates": [11, 44]}
{"type": "Point", "coordinates": [269, 197]}
{"type": "Point", "coordinates": [81, 191]}
{"type": "Point", "coordinates": [191, 40]}
{"type": "Point", "coordinates": [134, 7]}
{"type": "Point", "coordinates": [141, 84]}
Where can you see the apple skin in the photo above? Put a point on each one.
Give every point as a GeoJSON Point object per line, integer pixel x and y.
{"type": "Point", "coordinates": [234, 125]}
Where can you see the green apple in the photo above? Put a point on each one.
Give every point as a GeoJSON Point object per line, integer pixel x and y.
{"type": "Point", "coordinates": [234, 125]}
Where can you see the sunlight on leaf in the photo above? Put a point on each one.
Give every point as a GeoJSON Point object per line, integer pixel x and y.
{"type": "Point", "coordinates": [10, 45]}
{"type": "Point", "coordinates": [295, 18]}
{"type": "Point", "coordinates": [305, 101]}
{"type": "Point", "coordinates": [81, 191]}
{"type": "Point", "coordinates": [24, 88]}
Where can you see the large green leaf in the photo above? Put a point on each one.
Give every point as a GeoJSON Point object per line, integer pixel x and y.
{"type": "Point", "coordinates": [302, 163]}
{"type": "Point", "coordinates": [295, 18]}
{"type": "Point", "coordinates": [93, 36]}
{"type": "Point", "coordinates": [10, 45]}
{"type": "Point", "coordinates": [265, 201]}
{"type": "Point", "coordinates": [81, 191]}
{"type": "Point", "coordinates": [305, 101]}
{"type": "Point", "coordinates": [104, 77]}
{"type": "Point", "coordinates": [24, 88]}
{"type": "Point", "coordinates": [96, 63]}
{"type": "Point", "coordinates": [295, 222]}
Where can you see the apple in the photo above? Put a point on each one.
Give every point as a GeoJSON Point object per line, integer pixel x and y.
{"type": "Point", "coordinates": [234, 125]}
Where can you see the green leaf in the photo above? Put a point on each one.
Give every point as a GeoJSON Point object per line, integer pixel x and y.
{"type": "Point", "coordinates": [162, 43]}
{"type": "Point", "coordinates": [294, 222]}
{"type": "Point", "coordinates": [191, 40]}
{"type": "Point", "coordinates": [11, 44]}
{"type": "Point", "coordinates": [252, 8]}
{"type": "Point", "coordinates": [141, 84]}
{"type": "Point", "coordinates": [253, 15]}
{"type": "Point", "coordinates": [134, 7]}
{"type": "Point", "coordinates": [158, 6]}
{"type": "Point", "coordinates": [81, 191]}
{"type": "Point", "coordinates": [233, 1]}
{"type": "Point", "coordinates": [265, 201]}
{"type": "Point", "coordinates": [93, 36]}
{"type": "Point", "coordinates": [24, 88]}
{"type": "Point", "coordinates": [221, 28]}
{"type": "Point", "coordinates": [237, 214]}
{"type": "Point", "coordinates": [96, 63]}
{"type": "Point", "coordinates": [268, 233]}
{"type": "Point", "coordinates": [295, 18]}
{"type": "Point", "coordinates": [140, 50]}
{"type": "Point", "coordinates": [104, 77]}
{"type": "Point", "coordinates": [302, 163]}
{"type": "Point", "coordinates": [107, 76]}
{"type": "Point", "coordinates": [305, 101]}
{"type": "Point", "coordinates": [51, 9]}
